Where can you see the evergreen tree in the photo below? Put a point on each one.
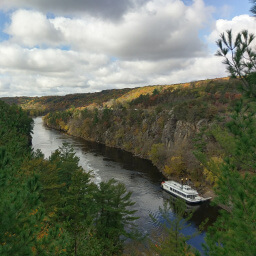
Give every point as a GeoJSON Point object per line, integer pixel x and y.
{"type": "Point", "coordinates": [78, 212]}
{"type": "Point", "coordinates": [253, 9]}
{"type": "Point", "coordinates": [240, 59]}
{"type": "Point", "coordinates": [20, 206]}
{"type": "Point", "coordinates": [234, 232]}
{"type": "Point", "coordinates": [95, 219]}
{"type": "Point", "coordinates": [115, 218]}
{"type": "Point", "coordinates": [20, 211]}
{"type": "Point", "coordinates": [24, 229]}
{"type": "Point", "coordinates": [66, 163]}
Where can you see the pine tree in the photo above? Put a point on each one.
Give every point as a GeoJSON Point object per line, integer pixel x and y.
{"type": "Point", "coordinates": [20, 205]}
{"type": "Point", "coordinates": [24, 228]}
{"type": "Point", "coordinates": [253, 9]}
{"type": "Point", "coordinates": [115, 218]}
{"type": "Point", "coordinates": [78, 212]}
{"type": "Point", "coordinates": [234, 232]}
{"type": "Point", "coordinates": [66, 162]}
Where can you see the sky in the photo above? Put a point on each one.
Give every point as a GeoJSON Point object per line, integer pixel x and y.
{"type": "Point", "coordinates": [59, 47]}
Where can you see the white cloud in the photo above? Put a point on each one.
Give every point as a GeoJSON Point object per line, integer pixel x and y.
{"type": "Point", "coordinates": [137, 73]}
{"type": "Point", "coordinates": [14, 57]}
{"type": "Point", "coordinates": [199, 69]}
{"type": "Point", "coordinates": [159, 29]}
{"type": "Point", "coordinates": [32, 28]}
{"type": "Point", "coordinates": [156, 43]}
{"type": "Point", "coordinates": [237, 24]}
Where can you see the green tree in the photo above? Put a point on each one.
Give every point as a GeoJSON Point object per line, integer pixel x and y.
{"type": "Point", "coordinates": [66, 163]}
{"type": "Point", "coordinates": [114, 215]}
{"type": "Point", "coordinates": [240, 59]}
{"type": "Point", "coordinates": [253, 9]}
{"type": "Point", "coordinates": [94, 219]}
{"type": "Point", "coordinates": [22, 214]}
{"type": "Point", "coordinates": [78, 212]}
{"type": "Point", "coordinates": [19, 197]}
{"type": "Point", "coordinates": [20, 210]}
{"type": "Point", "coordinates": [234, 232]}
{"type": "Point", "coordinates": [95, 116]}
{"type": "Point", "coordinates": [157, 154]}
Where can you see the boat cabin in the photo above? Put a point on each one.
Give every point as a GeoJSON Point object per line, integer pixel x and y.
{"type": "Point", "coordinates": [185, 192]}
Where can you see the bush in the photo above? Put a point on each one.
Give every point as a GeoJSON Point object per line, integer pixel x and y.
{"type": "Point", "coordinates": [157, 154]}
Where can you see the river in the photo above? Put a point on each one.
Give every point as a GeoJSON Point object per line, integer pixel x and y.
{"type": "Point", "coordinates": [139, 176]}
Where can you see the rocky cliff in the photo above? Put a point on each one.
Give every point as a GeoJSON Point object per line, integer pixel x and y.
{"type": "Point", "coordinates": [158, 136]}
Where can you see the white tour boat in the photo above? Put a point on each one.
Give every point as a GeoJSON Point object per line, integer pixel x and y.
{"type": "Point", "coordinates": [185, 192]}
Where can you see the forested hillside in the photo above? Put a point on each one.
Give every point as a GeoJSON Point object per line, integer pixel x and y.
{"type": "Point", "coordinates": [36, 106]}
{"type": "Point", "coordinates": [161, 123]}
{"type": "Point", "coordinates": [50, 206]}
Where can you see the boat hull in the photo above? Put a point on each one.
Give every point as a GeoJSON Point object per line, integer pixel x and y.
{"type": "Point", "coordinates": [195, 202]}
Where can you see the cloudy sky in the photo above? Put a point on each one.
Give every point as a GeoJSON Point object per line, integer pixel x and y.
{"type": "Point", "coordinates": [58, 47]}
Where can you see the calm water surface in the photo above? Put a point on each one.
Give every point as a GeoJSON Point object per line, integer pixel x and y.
{"type": "Point", "coordinates": [139, 176]}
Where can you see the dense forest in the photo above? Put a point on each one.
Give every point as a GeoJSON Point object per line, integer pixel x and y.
{"type": "Point", "coordinates": [50, 206]}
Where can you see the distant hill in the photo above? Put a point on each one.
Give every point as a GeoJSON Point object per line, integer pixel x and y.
{"type": "Point", "coordinates": [45, 104]}
{"type": "Point", "coordinates": [136, 97]}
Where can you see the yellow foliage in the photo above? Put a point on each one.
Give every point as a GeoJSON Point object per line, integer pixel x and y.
{"type": "Point", "coordinates": [212, 169]}
{"type": "Point", "coordinates": [135, 93]}
{"type": "Point", "coordinates": [34, 212]}
{"type": "Point", "coordinates": [128, 146]}
{"type": "Point", "coordinates": [157, 153]}
{"type": "Point", "coordinates": [92, 106]}
{"type": "Point", "coordinates": [175, 165]}
{"type": "Point", "coordinates": [53, 213]}
{"type": "Point", "coordinates": [62, 125]}
{"type": "Point", "coordinates": [34, 250]}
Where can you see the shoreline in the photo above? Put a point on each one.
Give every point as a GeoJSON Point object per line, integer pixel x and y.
{"type": "Point", "coordinates": [204, 190]}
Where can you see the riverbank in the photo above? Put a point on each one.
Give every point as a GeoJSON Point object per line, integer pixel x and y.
{"type": "Point", "coordinates": [151, 150]}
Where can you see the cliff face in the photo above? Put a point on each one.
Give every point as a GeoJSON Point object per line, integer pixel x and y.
{"type": "Point", "coordinates": [177, 132]}
{"type": "Point", "coordinates": [158, 136]}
